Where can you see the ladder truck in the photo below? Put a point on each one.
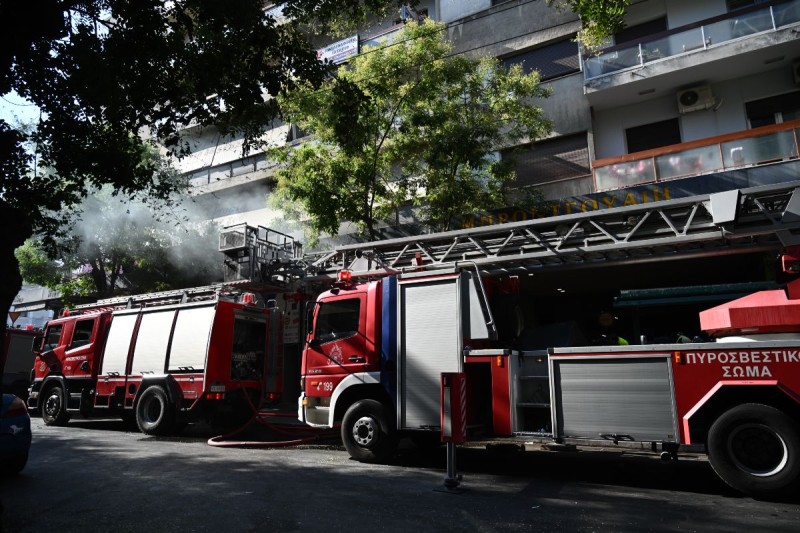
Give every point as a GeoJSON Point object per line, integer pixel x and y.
{"type": "Point", "coordinates": [163, 359]}
{"type": "Point", "coordinates": [403, 312]}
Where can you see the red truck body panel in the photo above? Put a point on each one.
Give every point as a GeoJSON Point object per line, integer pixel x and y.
{"type": "Point", "coordinates": [206, 352]}
{"type": "Point", "coordinates": [775, 311]}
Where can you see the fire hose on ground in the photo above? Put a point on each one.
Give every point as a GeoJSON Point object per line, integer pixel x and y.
{"type": "Point", "coordinates": [303, 434]}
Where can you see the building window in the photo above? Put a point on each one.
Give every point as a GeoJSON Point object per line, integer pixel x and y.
{"type": "Point", "coordinates": [733, 5]}
{"type": "Point", "coordinates": [552, 61]}
{"type": "Point", "coordinates": [557, 159]}
{"type": "Point", "coordinates": [773, 110]}
{"type": "Point", "coordinates": [655, 135]}
{"type": "Point", "coordinates": [640, 31]}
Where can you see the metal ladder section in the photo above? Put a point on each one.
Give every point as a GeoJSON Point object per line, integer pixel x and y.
{"type": "Point", "coordinates": [153, 299]}
{"type": "Point", "coordinates": [748, 220]}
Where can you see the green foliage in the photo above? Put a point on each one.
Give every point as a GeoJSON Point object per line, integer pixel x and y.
{"type": "Point", "coordinates": [335, 17]}
{"type": "Point", "coordinates": [601, 19]}
{"type": "Point", "coordinates": [105, 71]}
{"type": "Point", "coordinates": [406, 122]}
{"type": "Point", "coordinates": [36, 267]}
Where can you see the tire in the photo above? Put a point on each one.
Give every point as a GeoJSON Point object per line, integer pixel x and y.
{"type": "Point", "coordinates": [366, 432]}
{"type": "Point", "coordinates": [53, 407]}
{"type": "Point", "coordinates": [154, 413]}
{"type": "Point", "coordinates": [755, 449]}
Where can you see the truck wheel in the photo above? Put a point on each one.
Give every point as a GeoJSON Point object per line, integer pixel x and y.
{"type": "Point", "coordinates": [54, 411]}
{"type": "Point", "coordinates": [154, 414]}
{"type": "Point", "coordinates": [755, 449]}
{"type": "Point", "coordinates": [367, 433]}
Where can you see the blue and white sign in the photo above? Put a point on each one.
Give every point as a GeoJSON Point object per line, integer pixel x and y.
{"type": "Point", "coordinates": [340, 51]}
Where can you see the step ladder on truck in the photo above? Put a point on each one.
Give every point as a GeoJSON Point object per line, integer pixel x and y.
{"type": "Point", "coordinates": [402, 312]}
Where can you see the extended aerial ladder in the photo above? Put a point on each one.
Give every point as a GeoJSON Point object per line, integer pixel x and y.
{"type": "Point", "coordinates": [764, 218]}
{"type": "Point", "coordinates": [232, 291]}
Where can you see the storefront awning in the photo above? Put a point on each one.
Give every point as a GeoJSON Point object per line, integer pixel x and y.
{"type": "Point", "coordinates": [32, 306]}
{"type": "Point", "coordinates": [689, 295]}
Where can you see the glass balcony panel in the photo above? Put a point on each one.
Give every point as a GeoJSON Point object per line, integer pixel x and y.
{"type": "Point", "coordinates": [689, 162]}
{"type": "Point", "coordinates": [787, 13]}
{"type": "Point", "coordinates": [659, 48]}
{"type": "Point", "coordinates": [684, 41]}
{"type": "Point", "coordinates": [724, 30]}
{"type": "Point", "coordinates": [754, 150]}
{"type": "Point", "coordinates": [757, 21]}
{"type": "Point", "coordinates": [592, 67]}
{"type": "Point", "coordinates": [611, 62]}
{"type": "Point", "coordinates": [622, 175]}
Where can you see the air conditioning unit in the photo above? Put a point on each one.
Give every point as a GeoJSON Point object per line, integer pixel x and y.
{"type": "Point", "coordinates": [695, 99]}
{"type": "Point", "coordinates": [796, 72]}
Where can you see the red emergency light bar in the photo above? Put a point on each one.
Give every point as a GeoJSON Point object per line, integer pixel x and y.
{"type": "Point", "coordinates": [344, 276]}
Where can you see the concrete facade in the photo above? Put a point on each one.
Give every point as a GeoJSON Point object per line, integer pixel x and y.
{"type": "Point", "coordinates": [600, 107]}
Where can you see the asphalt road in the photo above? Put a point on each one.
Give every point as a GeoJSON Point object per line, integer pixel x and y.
{"type": "Point", "coordinates": [98, 476]}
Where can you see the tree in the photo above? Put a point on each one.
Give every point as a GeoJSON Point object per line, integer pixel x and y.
{"type": "Point", "coordinates": [103, 72]}
{"type": "Point", "coordinates": [407, 121]}
{"type": "Point", "coordinates": [601, 19]}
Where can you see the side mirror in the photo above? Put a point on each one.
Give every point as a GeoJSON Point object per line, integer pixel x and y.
{"type": "Point", "coordinates": [38, 341]}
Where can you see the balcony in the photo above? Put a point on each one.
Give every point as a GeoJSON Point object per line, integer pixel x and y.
{"type": "Point", "coordinates": [756, 147]}
{"type": "Point", "coordinates": [665, 52]}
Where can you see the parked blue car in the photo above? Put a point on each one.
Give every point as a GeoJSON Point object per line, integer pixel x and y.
{"type": "Point", "coordinates": [15, 435]}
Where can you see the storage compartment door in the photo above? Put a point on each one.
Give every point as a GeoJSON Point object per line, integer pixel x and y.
{"type": "Point", "coordinates": [631, 398]}
{"type": "Point", "coordinates": [152, 340]}
{"type": "Point", "coordinates": [190, 339]}
{"type": "Point", "coordinates": [118, 343]}
{"type": "Point", "coordinates": [429, 344]}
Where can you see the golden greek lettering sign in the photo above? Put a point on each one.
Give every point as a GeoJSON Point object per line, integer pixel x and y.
{"type": "Point", "coordinates": [568, 206]}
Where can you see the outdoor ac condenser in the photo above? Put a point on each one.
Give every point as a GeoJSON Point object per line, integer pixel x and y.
{"type": "Point", "coordinates": [695, 99]}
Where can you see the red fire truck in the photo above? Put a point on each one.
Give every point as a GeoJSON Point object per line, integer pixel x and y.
{"type": "Point", "coordinates": [377, 349]}
{"type": "Point", "coordinates": [381, 338]}
{"type": "Point", "coordinates": [163, 359]}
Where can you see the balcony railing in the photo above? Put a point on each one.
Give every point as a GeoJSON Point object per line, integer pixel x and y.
{"type": "Point", "coordinates": [768, 144]}
{"type": "Point", "coordinates": [702, 35]}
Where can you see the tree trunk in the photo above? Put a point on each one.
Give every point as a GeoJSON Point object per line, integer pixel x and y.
{"type": "Point", "coordinates": [16, 228]}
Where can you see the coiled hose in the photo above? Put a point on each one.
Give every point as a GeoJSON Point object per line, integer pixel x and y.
{"type": "Point", "coordinates": [307, 433]}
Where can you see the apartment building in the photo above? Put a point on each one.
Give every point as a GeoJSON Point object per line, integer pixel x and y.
{"type": "Point", "coordinates": [690, 97]}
